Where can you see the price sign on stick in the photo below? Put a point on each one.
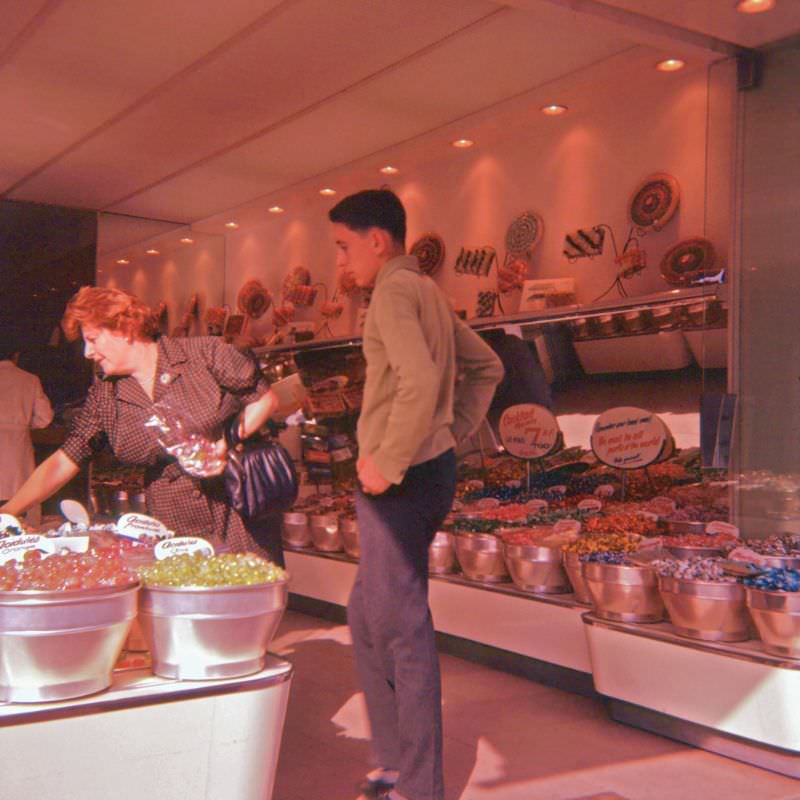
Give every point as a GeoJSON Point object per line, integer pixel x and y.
{"type": "Point", "coordinates": [530, 432]}
{"type": "Point", "coordinates": [628, 438]}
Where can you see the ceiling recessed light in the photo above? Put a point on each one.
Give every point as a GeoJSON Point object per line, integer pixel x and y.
{"type": "Point", "coordinates": [553, 110]}
{"type": "Point", "coordinates": [276, 209]}
{"type": "Point", "coordinates": [462, 143]}
{"type": "Point", "coordinates": [389, 170]}
{"type": "Point", "coordinates": [232, 225]}
{"type": "Point", "coordinates": [123, 261]}
{"type": "Point", "coordinates": [327, 192]}
{"type": "Point", "coordinates": [754, 6]}
{"type": "Point", "coordinates": [187, 240]}
{"type": "Point", "coordinates": [152, 252]}
{"type": "Point", "coordinates": [670, 65]}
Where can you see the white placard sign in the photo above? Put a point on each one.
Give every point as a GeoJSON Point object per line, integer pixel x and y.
{"type": "Point", "coordinates": [180, 545]}
{"type": "Point", "coordinates": [718, 526]}
{"type": "Point", "coordinates": [567, 526]}
{"type": "Point", "coordinates": [71, 544]}
{"type": "Point", "coordinates": [9, 521]}
{"type": "Point", "coordinates": [592, 505]}
{"type": "Point", "coordinates": [628, 438]}
{"type": "Point", "coordinates": [137, 526]}
{"type": "Point", "coordinates": [529, 431]}
{"type": "Point", "coordinates": [14, 547]}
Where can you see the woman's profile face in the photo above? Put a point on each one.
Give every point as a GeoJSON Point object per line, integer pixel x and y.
{"type": "Point", "coordinates": [110, 350]}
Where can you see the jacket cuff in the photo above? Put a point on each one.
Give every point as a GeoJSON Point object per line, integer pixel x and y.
{"type": "Point", "coordinates": [391, 468]}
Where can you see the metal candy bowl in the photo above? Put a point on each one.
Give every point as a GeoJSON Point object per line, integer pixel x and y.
{"type": "Point", "coordinates": [574, 569]}
{"type": "Point", "coordinates": [349, 530]}
{"type": "Point", "coordinates": [325, 533]}
{"type": "Point", "coordinates": [481, 557]}
{"type": "Point", "coordinates": [442, 554]}
{"type": "Point", "coordinates": [782, 562]}
{"type": "Point", "coordinates": [710, 610]}
{"type": "Point", "coordinates": [536, 568]}
{"type": "Point", "coordinates": [777, 619]}
{"type": "Point", "coordinates": [62, 644]}
{"type": "Point", "coordinates": [295, 531]}
{"type": "Point", "coordinates": [686, 552]}
{"type": "Point", "coordinates": [624, 593]}
{"type": "Point", "coordinates": [679, 526]}
{"type": "Point", "coordinates": [205, 632]}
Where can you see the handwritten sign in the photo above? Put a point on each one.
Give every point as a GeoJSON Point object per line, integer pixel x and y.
{"type": "Point", "coordinates": [726, 528]}
{"type": "Point", "coordinates": [15, 547]}
{"type": "Point", "coordinates": [529, 431]}
{"type": "Point", "coordinates": [138, 526]}
{"type": "Point", "coordinates": [628, 438]}
{"type": "Point", "coordinates": [592, 505]}
{"type": "Point", "coordinates": [567, 526]}
{"type": "Point", "coordinates": [605, 490]}
{"type": "Point", "coordinates": [180, 545]}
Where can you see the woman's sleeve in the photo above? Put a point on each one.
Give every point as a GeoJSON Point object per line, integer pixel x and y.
{"type": "Point", "coordinates": [235, 371]}
{"type": "Point", "coordinates": [87, 434]}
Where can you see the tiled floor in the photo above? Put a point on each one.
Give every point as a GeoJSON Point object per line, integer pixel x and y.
{"type": "Point", "coordinates": [506, 738]}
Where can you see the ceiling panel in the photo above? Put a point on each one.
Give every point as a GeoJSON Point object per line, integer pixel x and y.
{"type": "Point", "coordinates": [720, 19]}
{"type": "Point", "coordinates": [88, 61]}
{"type": "Point", "coordinates": [482, 66]}
{"type": "Point", "coordinates": [311, 51]}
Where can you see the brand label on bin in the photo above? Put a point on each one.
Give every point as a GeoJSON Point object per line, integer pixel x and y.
{"type": "Point", "coordinates": [718, 526]}
{"type": "Point", "coordinates": [605, 490]}
{"type": "Point", "coordinates": [536, 505]}
{"type": "Point", "coordinates": [179, 545]}
{"type": "Point", "coordinates": [529, 431]}
{"type": "Point", "coordinates": [138, 526]}
{"type": "Point", "coordinates": [663, 505]}
{"type": "Point", "coordinates": [628, 438]}
{"type": "Point", "coordinates": [15, 547]}
{"type": "Point", "coordinates": [72, 544]}
{"type": "Point", "coordinates": [592, 505]}
{"type": "Point", "coordinates": [9, 521]}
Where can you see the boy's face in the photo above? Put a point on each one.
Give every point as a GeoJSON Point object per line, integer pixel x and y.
{"type": "Point", "coordinates": [358, 253]}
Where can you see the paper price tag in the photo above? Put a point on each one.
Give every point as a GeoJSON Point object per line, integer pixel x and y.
{"type": "Point", "coordinates": [537, 505]}
{"type": "Point", "coordinates": [529, 431]}
{"type": "Point", "coordinates": [559, 489]}
{"type": "Point", "coordinates": [567, 526]}
{"type": "Point", "coordinates": [663, 505]}
{"type": "Point", "coordinates": [15, 547]}
{"type": "Point", "coordinates": [71, 544]}
{"type": "Point", "coordinates": [628, 438]}
{"type": "Point", "coordinates": [182, 544]}
{"type": "Point", "coordinates": [591, 505]}
{"type": "Point", "coordinates": [605, 490]}
{"type": "Point", "coordinates": [9, 521]}
{"type": "Point", "coordinates": [718, 526]}
{"type": "Point", "coordinates": [138, 526]}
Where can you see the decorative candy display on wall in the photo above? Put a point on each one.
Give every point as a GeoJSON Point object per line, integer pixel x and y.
{"type": "Point", "coordinates": [185, 325]}
{"type": "Point", "coordinates": [654, 202]}
{"type": "Point", "coordinates": [297, 287]}
{"type": "Point", "coordinates": [429, 250]}
{"type": "Point", "coordinates": [253, 299]}
{"type": "Point", "coordinates": [215, 320]}
{"type": "Point", "coordinates": [689, 261]}
{"type": "Point", "coordinates": [523, 234]}
{"type": "Point", "coordinates": [486, 303]}
{"type": "Point", "coordinates": [475, 261]}
{"type": "Point", "coordinates": [584, 242]}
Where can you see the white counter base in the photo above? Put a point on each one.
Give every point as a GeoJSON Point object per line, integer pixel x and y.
{"type": "Point", "coordinates": [148, 737]}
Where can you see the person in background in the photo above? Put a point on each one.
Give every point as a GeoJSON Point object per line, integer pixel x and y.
{"type": "Point", "coordinates": [429, 382]}
{"type": "Point", "coordinates": [203, 378]}
{"type": "Point", "coordinates": [23, 406]}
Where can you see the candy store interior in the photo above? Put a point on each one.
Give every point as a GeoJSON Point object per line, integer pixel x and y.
{"type": "Point", "coordinates": [605, 192]}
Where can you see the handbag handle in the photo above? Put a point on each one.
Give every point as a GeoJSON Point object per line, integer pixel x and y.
{"type": "Point", "coordinates": [231, 432]}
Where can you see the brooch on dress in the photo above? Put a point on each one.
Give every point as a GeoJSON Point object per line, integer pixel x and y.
{"type": "Point", "coordinates": [165, 378]}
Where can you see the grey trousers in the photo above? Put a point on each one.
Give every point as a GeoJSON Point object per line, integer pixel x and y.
{"type": "Point", "coordinates": [391, 625]}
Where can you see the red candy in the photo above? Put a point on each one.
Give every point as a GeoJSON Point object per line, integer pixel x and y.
{"type": "Point", "coordinates": [65, 572]}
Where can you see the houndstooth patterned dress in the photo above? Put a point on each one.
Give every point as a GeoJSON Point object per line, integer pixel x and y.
{"type": "Point", "coordinates": [206, 381]}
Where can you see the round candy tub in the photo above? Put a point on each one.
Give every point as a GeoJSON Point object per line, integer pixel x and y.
{"type": "Point", "coordinates": [481, 557]}
{"type": "Point", "coordinates": [709, 610]}
{"type": "Point", "coordinates": [325, 533]}
{"type": "Point", "coordinates": [536, 569]}
{"type": "Point", "coordinates": [686, 552]}
{"type": "Point", "coordinates": [624, 593]}
{"type": "Point", "coordinates": [200, 633]}
{"type": "Point", "coordinates": [295, 530]}
{"type": "Point", "coordinates": [442, 554]}
{"type": "Point", "coordinates": [777, 619]}
{"type": "Point", "coordinates": [60, 645]}
{"type": "Point", "coordinates": [574, 569]}
{"type": "Point", "coordinates": [348, 526]}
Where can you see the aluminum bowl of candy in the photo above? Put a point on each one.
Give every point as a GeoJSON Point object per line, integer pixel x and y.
{"type": "Point", "coordinates": [703, 601]}
{"type": "Point", "coordinates": [208, 617]}
{"type": "Point", "coordinates": [534, 563]}
{"type": "Point", "coordinates": [573, 566]}
{"type": "Point", "coordinates": [63, 622]}
{"type": "Point", "coordinates": [481, 557]}
{"type": "Point", "coordinates": [325, 533]}
{"type": "Point", "coordinates": [698, 545]}
{"type": "Point", "coordinates": [442, 554]}
{"type": "Point", "coordinates": [777, 551]}
{"type": "Point", "coordinates": [621, 590]}
{"type": "Point", "coordinates": [296, 531]}
{"type": "Point", "coordinates": [349, 530]}
{"type": "Point", "coordinates": [773, 599]}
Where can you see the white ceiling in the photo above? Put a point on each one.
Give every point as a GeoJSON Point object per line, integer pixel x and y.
{"type": "Point", "coordinates": [178, 111]}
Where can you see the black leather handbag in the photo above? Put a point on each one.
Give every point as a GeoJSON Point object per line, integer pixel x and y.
{"type": "Point", "coordinates": [259, 476]}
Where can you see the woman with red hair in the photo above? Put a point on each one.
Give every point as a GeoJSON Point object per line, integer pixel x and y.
{"type": "Point", "coordinates": [204, 379]}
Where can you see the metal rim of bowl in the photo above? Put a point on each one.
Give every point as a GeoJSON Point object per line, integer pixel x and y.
{"type": "Point", "coordinates": [63, 595]}
{"type": "Point", "coordinates": [248, 587]}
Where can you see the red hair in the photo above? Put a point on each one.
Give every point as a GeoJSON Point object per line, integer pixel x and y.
{"type": "Point", "coordinates": [112, 309]}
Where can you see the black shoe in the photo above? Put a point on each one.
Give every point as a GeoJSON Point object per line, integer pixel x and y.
{"type": "Point", "coordinates": [371, 789]}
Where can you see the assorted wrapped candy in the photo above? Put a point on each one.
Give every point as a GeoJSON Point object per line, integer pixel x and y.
{"type": "Point", "coordinates": [693, 569]}
{"type": "Point", "coordinates": [613, 543]}
{"type": "Point", "coordinates": [608, 557]}
{"type": "Point", "coordinates": [775, 579]}
{"type": "Point", "coordinates": [787, 544]}
{"type": "Point", "coordinates": [66, 572]}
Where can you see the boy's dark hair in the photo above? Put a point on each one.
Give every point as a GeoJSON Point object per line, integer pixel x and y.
{"type": "Point", "coordinates": [372, 208]}
{"type": "Point", "coordinates": [9, 347]}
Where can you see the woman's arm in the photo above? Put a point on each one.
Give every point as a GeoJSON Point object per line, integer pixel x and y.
{"type": "Point", "coordinates": [255, 414]}
{"type": "Point", "coordinates": [53, 473]}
